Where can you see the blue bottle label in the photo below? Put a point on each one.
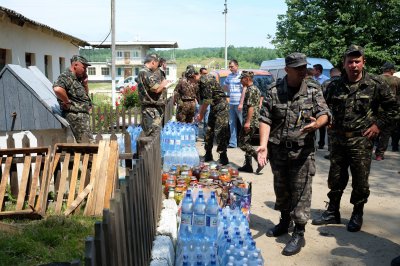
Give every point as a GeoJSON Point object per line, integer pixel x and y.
{"type": "Point", "coordinates": [211, 221]}
{"type": "Point", "coordinates": [186, 219]}
{"type": "Point", "coordinates": [199, 220]}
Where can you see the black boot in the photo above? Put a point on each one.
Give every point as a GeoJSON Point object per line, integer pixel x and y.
{"type": "Point", "coordinates": [332, 214]}
{"type": "Point", "coordinates": [247, 167]}
{"type": "Point", "coordinates": [223, 158]}
{"type": "Point", "coordinates": [356, 219]}
{"type": "Point", "coordinates": [208, 156]}
{"type": "Point", "coordinates": [259, 166]}
{"type": "Point", "coordinates": [282, 227]}
{"type": "Point", "coordinates": [296, 242]}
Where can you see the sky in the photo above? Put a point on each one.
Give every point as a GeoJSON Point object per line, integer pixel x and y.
{"type": "Point", "coordinates": [192, 24]}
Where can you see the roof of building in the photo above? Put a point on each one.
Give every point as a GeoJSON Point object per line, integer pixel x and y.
{"type": "Point", "coordinates": [21, 20]}
{"type": "Point", "coordinates": [150, 44]}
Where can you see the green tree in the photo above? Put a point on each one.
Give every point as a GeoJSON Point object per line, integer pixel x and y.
{"type": "Point", "coordinates": [324, 28]}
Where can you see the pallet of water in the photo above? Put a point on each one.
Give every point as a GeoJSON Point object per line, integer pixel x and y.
{"type": "Point", "coordinates": [211, 235]}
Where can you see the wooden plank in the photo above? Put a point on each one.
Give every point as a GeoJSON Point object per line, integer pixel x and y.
{"type": "Point", "coordinates": [62, 187]}
{"type": "Point", "coordinates": [107, 237]}
{"type": "Point", "coordinates": [90, 205]}
{"type": "Point", "coordinates": [74, 178]}
{"type": "Point", "coordinates": [41, 204]}
{"type": "Point", "coordinates": [112, 171]}
{"type": "Point", "coordinates": [12, 151]}
{"type": "Point", "coordinates": [35, 179]}
{"type": "Point", "coordinates": [24, 214]}
{"type": "Point", "coordinates": [84, 172]}
{"type": "Point", "coordinates": [4, 179]}
{"type": "Point", "coordinates": [24, 182]}
{"type": "Point", "coordinates": [101, 181]}
{"type": "Point", "coordinates": [90, 258]}
{"type": "Point", "coordinates": [81, 196]}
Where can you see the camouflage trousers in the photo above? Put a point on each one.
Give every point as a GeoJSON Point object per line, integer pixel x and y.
{"type": "Point", "coordinates": [355, 153]}
{"type": "Point", "coordinates": [292, 183]}
{"type": "Point", "coordinates": [80, 126]}
{"type": "Point", "coordinates": [185, 111]}
{"type": "Point", "coordinates": [245, 142]}
{"type": "Point", "coordinates": [218, 127]}
{"type": "Point", "coordinates": [151, 120]}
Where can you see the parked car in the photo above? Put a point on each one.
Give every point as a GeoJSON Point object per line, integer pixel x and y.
{"type": "Point", "coordinates": [125, 82]}
{"type": "Point", "coordinates": [277, 66]}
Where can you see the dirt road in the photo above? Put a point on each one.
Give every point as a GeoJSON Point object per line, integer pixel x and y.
{"type": "Point", "coordinates": [376, 244]}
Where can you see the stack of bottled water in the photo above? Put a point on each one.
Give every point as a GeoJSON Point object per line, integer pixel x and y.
{"type": "Point", "coordinates": [134, 132]}
{"type": "Point", "coordinates": [178, 145]}
{"type": "Point", "coordinates": [209, 235]}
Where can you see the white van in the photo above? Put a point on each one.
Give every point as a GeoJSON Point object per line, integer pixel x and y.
{"type": "Point", "coordinates": [277, 66]}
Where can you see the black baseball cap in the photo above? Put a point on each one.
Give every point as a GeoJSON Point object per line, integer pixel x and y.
{"type": "Point", "coordinates": [296, 60]}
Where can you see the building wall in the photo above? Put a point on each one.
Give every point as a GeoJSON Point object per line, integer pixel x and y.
{"type": "Point", "coordinates": [31, 39]}
{"type": "Point", "coordinates": [98, 77]}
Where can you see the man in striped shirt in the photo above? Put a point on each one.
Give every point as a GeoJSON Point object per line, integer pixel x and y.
{"type": "Point", "coordinates": [234, 89]}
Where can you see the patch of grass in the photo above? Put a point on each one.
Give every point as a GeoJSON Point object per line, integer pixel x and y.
{"type": "Point", "coordinates": [99, 86]}
{"type": "Point", "coordinates": [54, 239]}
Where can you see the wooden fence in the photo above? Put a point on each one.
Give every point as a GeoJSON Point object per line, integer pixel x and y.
{"type": "Point", "coordinates": [126, 233]}
{"type": "Point", "coordinates": [106, 120]}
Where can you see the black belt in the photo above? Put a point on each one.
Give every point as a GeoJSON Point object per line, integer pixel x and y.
{"type": "Point", "coordinates": [289, 144]}
{"type": "Point", "coordinates": [349, 134]}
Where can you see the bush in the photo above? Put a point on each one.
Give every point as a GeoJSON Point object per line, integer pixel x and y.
{"type": "Point", "coordinates": [129, 97]}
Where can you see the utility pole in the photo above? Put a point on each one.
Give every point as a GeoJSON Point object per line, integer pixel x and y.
{"type": "Point", "coordinates": [113, 53]}
{"type": "Point", "coordinates": [225, 12]}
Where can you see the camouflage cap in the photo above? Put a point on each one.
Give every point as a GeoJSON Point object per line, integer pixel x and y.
{"type": "Point", "coordinates": [154, 56]}
{"type": "Point", "coordinates": [190, 71]}
{"type": "Point", "coordinates": [388, 66]}
{"type": "Point", "coordinates": [354, 49]}
{"type": "Point", "coordinates": [245, 73]}
{"type": "Point", "coordinates": [78, 58]}
{"type": "Point", "coordinates": [296, 60]}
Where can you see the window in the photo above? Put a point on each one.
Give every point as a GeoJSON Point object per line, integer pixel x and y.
{"type": "Point", "coordinates": [91, 71]}
{"type": "Point", "coordinates": [29, 59]}
{"type": "Point", "coordinates": [48, 66]}
{"type": "Point", "coordinates": [135, 53]}
{"type": "Point", "coordinates": [105, 71]}
{"type": "Point", "coordinates": [167, 71]}
{"type": "Point", "coordinates": [136, 71]}
{"type": "Point", "coordinates": [3, 53]}
{"type": "Point", "coordinates": [119, 71]}
{"type": "Point", "coordinates": [61, 62]}
{"type": "Point", "coordinates": [119, 54]}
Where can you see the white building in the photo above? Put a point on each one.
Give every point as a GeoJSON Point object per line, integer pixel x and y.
{"type": "Point", "coordinates": [26, 43]}
{"type": "Point", "coordinates": [129, 60]}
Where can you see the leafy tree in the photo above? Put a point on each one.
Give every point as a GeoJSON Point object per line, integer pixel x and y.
{"type": "Point", "coordinates": [324, 28]}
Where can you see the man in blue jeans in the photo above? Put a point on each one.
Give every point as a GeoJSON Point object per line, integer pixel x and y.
{"type": "Point", "coordinates": [234, 88]}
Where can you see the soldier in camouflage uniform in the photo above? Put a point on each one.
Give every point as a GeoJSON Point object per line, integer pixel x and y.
{"type": "Point", "coordinates": [250, 112]}
{"type": "Point", "coordinates": [72, 93]}
{"type": "Point", "coordinates": [293, 109]}
{"type": "Point", "coordinates": [185, 95]}
{"type": "Point", "coordinates": [361, 105]}
{"type": "Point", "coordinates": [211, 93]}
{"type": "Point", "coordinates": [150, 87]}
{"type": "Point", "coordinates": [383, 138]}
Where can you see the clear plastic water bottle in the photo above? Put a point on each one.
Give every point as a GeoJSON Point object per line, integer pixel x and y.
{"type": "Point", "coordinates": [199, 219]}
{"type": "Point", "coordinates": [212, 218]}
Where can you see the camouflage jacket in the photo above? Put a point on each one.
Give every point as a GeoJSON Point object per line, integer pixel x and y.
{"type": "Point", "coordinates": [148, 82]}
{"type": "Point", "coordinates": [252, 99]}
{"type": "Point", "coordinates": [80, 100]}
{"type": "Point", "coordinates": [185, 90]}
{"type": "Point", "coordinates": [394, 84]}
{"type": "Point", "coordinates": [211, 91]}
{"type": "Point", "coordinates": [287, 115]}
{"type": "Point", "coordinates": [355, 107]}
{"type": "Point", "coordinates": [325, 85]}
